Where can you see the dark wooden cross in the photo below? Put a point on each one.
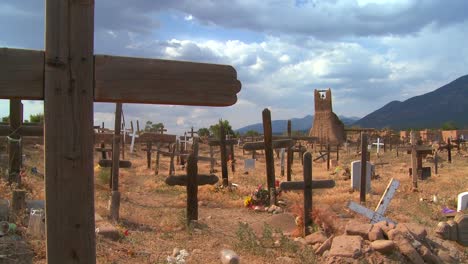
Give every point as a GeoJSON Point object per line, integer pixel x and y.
{"type": "Point", "coordinates": [222, 142]}
{"type": "Point", "coordinates": [417, 153]}
{"type": "Point", "coordinates": [192, 180]}
{"type": "Point", "coordinates": [307, 185]}
{"type": "Point", "coordinates": [268, 145]}
{"type": "Point", "coordinates": [14, 132]}
{"type": "Point", "coordinates": [148, 139]}
{"type": "Point", "coordinates": [192, 132]}
{"type": "Point", "coordinates": [69, 78]}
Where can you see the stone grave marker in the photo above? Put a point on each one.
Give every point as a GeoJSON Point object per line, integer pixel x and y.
{"type": "Point", "coordinates": [356, 175]}
{"type": "Point", "coordinates": [249, 164]}
{"type": "Point", "coordinates": [462, 201]}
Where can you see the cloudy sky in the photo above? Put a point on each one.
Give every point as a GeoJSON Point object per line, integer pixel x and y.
{"type": "Point", "coordinates": [368, 52]}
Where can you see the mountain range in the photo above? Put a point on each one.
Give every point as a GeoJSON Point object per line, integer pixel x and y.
{"type": "Point", "coordinates": [297, 124]}
{"type": "Point", "coordinates": [448, 103]}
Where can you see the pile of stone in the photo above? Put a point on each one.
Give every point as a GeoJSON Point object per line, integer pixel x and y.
{"type": "Point", "coordinates": [404, 242]}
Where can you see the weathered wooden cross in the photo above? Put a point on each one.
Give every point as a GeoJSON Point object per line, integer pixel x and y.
{"type": "Point", "coordinates": [417, 153]}
{"type": "Point", "coordinates": [378, 214]}
{"type": "Point", "coordinates": [192, 180]}
{"type": "Point", "coordinates": [69, 78]}
{"type": "Point", "coordinates": [307, 185]}
{"type": "Point", "coordinates": [149, 138]}
{"type": "Point", "coordinates": [14, 132]}
{"type": "Point", "coordinates": [268, 145]}
{"type": "Point", "coordinates": [222, 142]}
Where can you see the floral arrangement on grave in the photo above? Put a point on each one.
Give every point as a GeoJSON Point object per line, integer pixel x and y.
{"type": "Point", "coordinates": [259, 197]}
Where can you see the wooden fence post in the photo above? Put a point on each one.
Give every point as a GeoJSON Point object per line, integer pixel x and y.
{"type": "Point", "coordinates": [115, 196]}
{"type": "Point", "coordinates": [289, 156]}
{"type": "Point", "coordinates": [414, 160]}
{"type": "Point", "coordinates": [269, 159]}
{"type": "Point", "coordinates": [222, 142]}
{"type": "Point", "coordinates": [307, 192]}
{"type": "Point", "coordinates": [362, 194]}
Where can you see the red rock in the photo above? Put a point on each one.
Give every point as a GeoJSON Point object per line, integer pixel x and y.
{"type": "Point", "coordinates": [383, 246]}
{"type": "Point", "coordinates": [408, 250]}
{"type": "Point", "coordinates": [358, 229]}
{"type": "Point", "coordinates": [346, 246]}
{"type": "Point", "coordinates": [317, 237]}
{"type": "Point", "coordinates": [376, 233]}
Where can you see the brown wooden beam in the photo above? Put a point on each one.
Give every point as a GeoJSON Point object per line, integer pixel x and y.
{"type": "Point", "coordinates": [157, 81]}
{"type": "Point", "coordinates": [68, 113]}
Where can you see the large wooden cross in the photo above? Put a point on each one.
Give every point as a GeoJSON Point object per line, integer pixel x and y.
{"type": "Point", "coordinates": [268, 145]}
{"type": "Point", "coordinates": [222, 142]}
{"type": "Point", "coordinates": [307, 185]}
{"type": "Point", "coordinates": [69, 78]}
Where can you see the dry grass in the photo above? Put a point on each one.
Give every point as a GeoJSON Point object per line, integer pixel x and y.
{"type": "Point", "coordinates": [154, 213]}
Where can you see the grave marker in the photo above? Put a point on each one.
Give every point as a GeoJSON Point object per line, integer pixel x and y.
{"type": "Point", "coordinates": [378, 144]}
{"type": "Point", "coordinates": [377, 215]}
{"type": "Point", "coordinates": [462, 201]}
{"type": "Point", "coordinates": [356, 175]}
{"type": "Point", "coordinates": [363, 178]}
{"type": "Point", "coordinates": [307, 185]}
{"type": "Point", "coordinates": [222, 142]}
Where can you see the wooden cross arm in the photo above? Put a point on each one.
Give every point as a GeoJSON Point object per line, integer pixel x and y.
{"type": "Point", "coordinates": [216, 142]}
{"type": "Point", "coordinates": [299, 185]}
{"type": "Point", "coordinates": [306, 138]}
{"type": "Point", "coordinates": [152, 81]}
{"type": "Point", "coordinates": [24, 131]}
{"type": "Point", "coordinates": [108, 163]}
{"type": "Point", "coordinates": [155, 137]}
{"type": "Point", "coordinates": [281, 143]}
{"type": "Point", "coordinates": [181, 180]}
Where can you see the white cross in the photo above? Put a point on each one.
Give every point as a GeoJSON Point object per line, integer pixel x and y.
{"type": "Point", "coordinates": [378, 145]}
{"type": "Point", "coordinates": [378, 214]}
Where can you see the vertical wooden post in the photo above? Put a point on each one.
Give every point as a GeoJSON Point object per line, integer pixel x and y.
{"type": "Point", "coordinates": [436, 165]}
{"type": "Point", "coordinates": [192, 184]}
{"type": "Point", "coordinates": [269, 159]}
{"type": "Point", "coordinates": [149, 146]}
{"type": "Point", "coordinates": [414, 160]}
{"type": "Point", "coordinates": [362, 194]}
{"type": "Point", "coordinates": [449, 150]}
{"type": "Point", "coordinates": [103, 151]}
{"type": "Point", "coordinates": [233, 160]}
{"type": "Point", "coordinates": [307, 192]}
{"type": "Point", "coordinates": [178, 148]}
{"type": "Point", "coordinates": [212, 161]}
{"type": "Point", "coordinates": [282, 152]}
{"type": "Point", "coordinates": [156, 165]}
{"type": "Point", "coordinates": [18, 202]}
{"type": "Point", "coordinates": [337, 152]}
{"type": "Point", "coordinates": [171, 165]}
{"type": "Point", "coordinates": [289, 156]}
{"type": "Point", "coordinates": [138, 127]}
{"type": "Point", "coordinates": [69, 141]}
{"type": "Point", "coordinates": [222, 143]}
{"type": "Point", "coordinates": [14, 142]}
{"type": "Point", "coordinates": [328, 156]}
{"type": "Point", "coordinates": [115, 195]}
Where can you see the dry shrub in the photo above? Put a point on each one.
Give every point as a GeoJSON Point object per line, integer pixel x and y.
{"type": "Point", "coordinates": [326, 220]}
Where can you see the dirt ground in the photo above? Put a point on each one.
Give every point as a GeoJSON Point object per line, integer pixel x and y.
{"type": "Point", "coordinates": [152, 215]}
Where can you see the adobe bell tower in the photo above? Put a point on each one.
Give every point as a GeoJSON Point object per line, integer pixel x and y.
{"type": "Point", "coordinates": [327, 126]}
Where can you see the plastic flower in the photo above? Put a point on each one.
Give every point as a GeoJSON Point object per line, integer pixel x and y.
{"type": "Point", "coordinates": [248, 201]}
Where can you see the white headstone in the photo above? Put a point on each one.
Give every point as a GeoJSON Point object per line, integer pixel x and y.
{"type": "Point", "coordinates": [249, 164]}
{"type": "Point", "coordinates": [282, 152]}
{"type": "Point", "coordinates": [356, 175]}
{"type": "Point", "coordinates": [462, 201]}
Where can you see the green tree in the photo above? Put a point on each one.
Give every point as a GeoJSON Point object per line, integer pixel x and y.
{"type": "Point", "coordinates": [450, 125]}
{"type": "Point", "coordinates": [252, 133]}
{"type": "Point", "coordinates": [203, 132]}
{"type": "Point", "coordinates": [6, 119]}
{"type": "Point", "coordinates": [215, 129]}
{"type": "Point", "coordinates": [150, 127]}
{"type": "Point", "coordinates": [37, 118]}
